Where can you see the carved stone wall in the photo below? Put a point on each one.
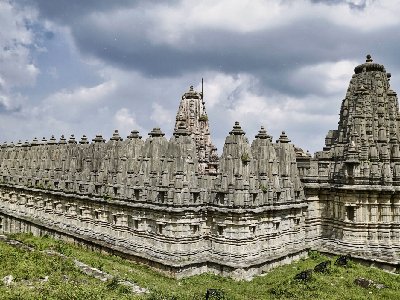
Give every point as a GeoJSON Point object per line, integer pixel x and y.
{"type": "Point", "coordinates": [148, 198]}
{"type": "Point", "coordinates": [362, 221]}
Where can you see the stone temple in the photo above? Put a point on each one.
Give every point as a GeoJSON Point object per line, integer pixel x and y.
{"type": "Point", "coordinates": [180, 208]}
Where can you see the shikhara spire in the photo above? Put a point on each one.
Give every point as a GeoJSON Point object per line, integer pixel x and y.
{"type": "Point", "coordinates": [193, 116]}
{"type": "Point", "coordinates": [365, 147]}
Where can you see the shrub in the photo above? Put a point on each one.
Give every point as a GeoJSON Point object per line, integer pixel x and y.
{"type": "Point", "coordinates": [245, 158]}
{"type": "Point", "coordinates": [203, 118]}
{"type": "Point", "coordinates": [313, 254]}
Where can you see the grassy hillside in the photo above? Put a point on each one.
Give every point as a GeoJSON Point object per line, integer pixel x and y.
{"type": "Point", "coordinates": [38, 275]}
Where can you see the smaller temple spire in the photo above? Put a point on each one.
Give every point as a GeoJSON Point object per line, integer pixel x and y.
{"type": "Point", "coordinates": [52, 140]}
{"type": "Point", "coordinates": [156, 132]}
{"type": "Point", "coordinates": [72, 139]}
{"type": "Point", "coordinates": [84, 140]}
{"type": "Point", "coordinates": [115, 136]}
{"type": "Point", "coordinates": [262, 134]}
{"type": "Point", "coordinates": [283, 138]}
{"type": "Point", "coordinates": [35, 142]}
{"type": "Point", "coordinates": [134, 135]}
{"type": "Point", "coordinates": [98, 139]}
{"type": "Point", "coordinates": [237, 130]}
{"type": "Point", "coordinates": [62, 140]}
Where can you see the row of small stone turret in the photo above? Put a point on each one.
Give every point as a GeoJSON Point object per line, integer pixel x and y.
{"type": "Point", "coordinates": [133, 135]}
{"type": "Point", "coordinates": [263, 172]}
{"type": "Point", "coordinates": [84, 140]}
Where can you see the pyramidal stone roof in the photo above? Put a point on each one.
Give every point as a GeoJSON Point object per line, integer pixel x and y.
{"type": "Point", "coordinates": [364, 149]}
{"type": "Point", "coordinates": [192, 118]}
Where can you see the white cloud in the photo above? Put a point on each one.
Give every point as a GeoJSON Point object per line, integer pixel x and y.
{"type": "Point", "coordinates": [16, 66]}
{"type": "Point", "coordinates": [5, 101]}
{"type": "Point", "coordinates": [329, 78]}
{"type": "Point", "coordinates": [125, 122]}
{"type": "Point", "coordinates": [83, 95]}
{"type": "Point", "coordinates": [237, 15]}
{"type": "Point", "coordinates": [375, 15]}
{"type": "Point", "coordinates": [173, 24]}
{"type": "Point", "coordinates": [162, 116]}
{"type": "Point", "coordinates": [219, 86]}
{"type": "Point", "coordinates": [76, 105]}
{"type": "Point", "coordinates": [236, 98]}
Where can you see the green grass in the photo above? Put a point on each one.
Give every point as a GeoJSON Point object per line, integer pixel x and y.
{"type": "Point", "coordinates": [67, 282]}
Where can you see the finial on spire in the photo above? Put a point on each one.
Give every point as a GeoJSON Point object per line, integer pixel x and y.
{"type": "Point", "coordinates": [84, 140]}
{"type": "Point", "coordinates": [99, 139]}
{"type": "Point", "coordinates": [237, 130]}
{"type": "Point", "coordinates": [134, 135]}
{"type": "Point", "coordinates": [116, 136]}
{"type": "Point", "coordinates": [62, 140]}
{"type": "Point", "coordinates": [262, 134]}
{"type": "Point", "coordinates": [283, 138]}
{"type": "Point", "coordinates": [191, 88]}
{"type": "Point", "coordinates": [202, 90]}
{"type": "Point", "coordinates": [35, 142]}
{"type": "Point", "coordinates": [72, 139]}
{"type": "Point", "coordinates": [156, 132]}
{"type": "Point", "coordinates": [369, 58]}
{"type": "Point", "coordinates": [52, 140]}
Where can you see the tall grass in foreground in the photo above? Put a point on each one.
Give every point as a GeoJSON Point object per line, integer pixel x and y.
{"type": "Point", "coordinates": [64, 281]}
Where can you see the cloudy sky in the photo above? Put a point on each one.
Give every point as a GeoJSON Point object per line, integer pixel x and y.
{"type": "Point", "coordinates": [89, 67]}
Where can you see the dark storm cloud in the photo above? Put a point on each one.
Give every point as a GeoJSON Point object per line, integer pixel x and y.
{"type": "Point", "coordinates": [281, 66]}
{"type": "Point", "coordinates": [67, 11]}
{"type": "Point", "coordinates": [272, 55]}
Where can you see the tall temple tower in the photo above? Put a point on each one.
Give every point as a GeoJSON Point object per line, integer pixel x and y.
{"type": "Point", "coordinates": [353, 186]}
{"type": "Point", "coordinates": [365, 147]}
{"type": "Point", "coordinates": [192, 115]}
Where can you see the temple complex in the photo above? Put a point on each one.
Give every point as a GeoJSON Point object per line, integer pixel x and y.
{"type": "Point", "coordinates": [177, 206]}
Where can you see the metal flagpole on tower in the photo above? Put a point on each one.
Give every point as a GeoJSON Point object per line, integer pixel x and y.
{"type": "Point", "coordinates": [202, 92]}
